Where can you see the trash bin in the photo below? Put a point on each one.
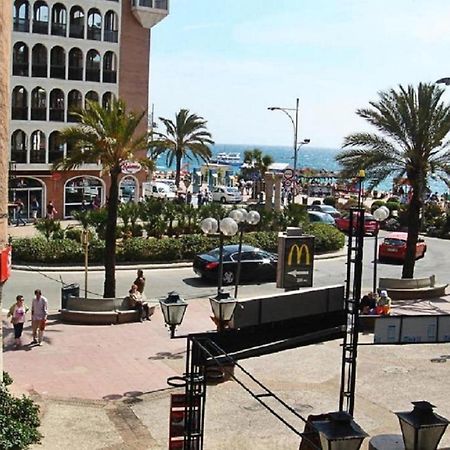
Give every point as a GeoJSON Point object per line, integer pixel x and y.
{"type": "Point", "coordinates": [69, 290]}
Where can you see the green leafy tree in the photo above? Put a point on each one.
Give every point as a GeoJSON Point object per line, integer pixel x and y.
{"type": "Point", "coordinates": [412, 124]}
{"type": "Point", "coordinates": [256, 165]}
{"type": "Point", "coordinates": [187, 137]}
{"type": "Point", "coordinates": [109, 136]}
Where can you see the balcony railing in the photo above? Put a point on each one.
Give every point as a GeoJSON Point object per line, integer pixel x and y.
{"type": "Point", "coordinates": [37, 156]}
{"type": "Point", "coordinates": [71, 117]}
{"type": "Point", "coordinates": [40, 27]}
{"type": "Point", "coordinates": [54, 155]}
{"type": "Point", "coordinates": [59, 29]}
{"type": "Point", "coordinates": [111, 36]}
{"type": "Point", "coordinates": [38, 113]}
{"type": "Point", "coordinates": [109, 76]}
{"type": "Point", "coordinates": [92, 74]}
{"type": "Point", "coordinates": [56, 115]}
{"type": "Point", "coordinates": [75, 73]}
{"type": "Point", "coordinates": [58, 71]}
{"type": "Point", "coordinates": [156, 4]}
{"type": "Point", "coordinates": [21, 25]}
{"type": "Point", "coordinates": [19, 113]}
{"type": "Point", "coordinates": [19, 156]}
{"type": "Point", "coordinates": [20, 69]}
{"type": "Point", "coordinates": [94, 34]}
{"type": "Point", "coordinates": [76, 31]}
{"type": "Point", "coordinates": [39, 70]}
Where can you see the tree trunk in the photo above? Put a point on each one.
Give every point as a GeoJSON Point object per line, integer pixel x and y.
{"type": "Point", "coordinates": [5, 52]}
{"type": "Point", "coordinates": [413, 233]}
{"type": "Point", "coordinates": [178, 171]}
{"type": "Point", "coordinates": [110, 236]}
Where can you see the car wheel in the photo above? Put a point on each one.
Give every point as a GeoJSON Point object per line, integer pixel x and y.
{"type": "Point", "coordinates": [223, 200]}
{"type": "Point", "coordinates": [228, 277]}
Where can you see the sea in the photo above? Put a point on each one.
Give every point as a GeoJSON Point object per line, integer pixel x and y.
{"type": "Point", "coordinates": [308, 157]}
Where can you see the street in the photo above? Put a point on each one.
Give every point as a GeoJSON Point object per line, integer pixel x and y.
{"type": "Point", "coordinates": [183, 280]}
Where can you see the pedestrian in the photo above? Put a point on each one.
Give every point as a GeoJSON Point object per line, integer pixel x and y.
{"type": "Point", "coordinates": [39, 313]}
{"type": "Point", "coordinates": [19, 210]}
{"type": "Point", "coordinates": [17, 313]}
{"type": "Point", "coordinates": [384, 304]}
{"type": "Point", "coordinates": [137, 301]}
{"type": "Point", "coordinates": [34, 209]}
{"type": "Point", "coordinates": [140, 281]}
{"type": "Point", "coordinates": [189, 197]}
{"type": "Point", "coordinates": [51, 210]}
{"type": "Point", "coordinates": [199, 199]}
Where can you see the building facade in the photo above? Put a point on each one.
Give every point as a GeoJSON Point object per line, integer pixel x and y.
{"type": "Point", "coordinates": [65, 52]}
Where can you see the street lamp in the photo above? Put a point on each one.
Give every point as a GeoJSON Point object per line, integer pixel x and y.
{"type": "Point", "coordinates": [360, 177]}
{"type": "Point", "coordinates": [242, 217]}
{"type": "Point", "coordinates": [173, 308]}
{"type": "Point", "coordinates": [340, 432]}
{"type": "Point", "coordinates": [422, 429]}
{"type": "Point", "coordinates": [380, 214]}
{"type": "Point", "coordinates": [296, 147]}
{"type": "Point", "coordinates": [226, 227]}
{"type": "Point", "coordinates": [222, 306]}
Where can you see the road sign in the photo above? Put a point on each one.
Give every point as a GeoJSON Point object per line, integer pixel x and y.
{"type": "Point", "coordinates": [288, 174]}
{"type": "Point", "coordinates": [295, 261]}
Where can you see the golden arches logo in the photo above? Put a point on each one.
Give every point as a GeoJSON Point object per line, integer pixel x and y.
{"type": "Point", "coordinates": [299, 252]}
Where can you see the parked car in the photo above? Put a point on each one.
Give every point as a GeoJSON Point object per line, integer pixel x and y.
{"type": "Point", "coordinates": [328, 209]}
{"type": "Point", "coordinates": [225, 194]}
{"type": "Point", "coordinates": [394, 247]}
{"type": "Point", "coordinates": [256, 264]}
{"type": "Point", "coordinates": [371, 226]}
{"type": "Point", "coordinates": [320, 217]}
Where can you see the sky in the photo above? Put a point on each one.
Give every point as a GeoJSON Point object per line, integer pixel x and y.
{"type": "Point", "coordinates": [228, 61]}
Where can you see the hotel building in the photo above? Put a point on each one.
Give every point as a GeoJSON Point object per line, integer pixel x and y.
{"type": "Point", "coordinates": [65, 52]}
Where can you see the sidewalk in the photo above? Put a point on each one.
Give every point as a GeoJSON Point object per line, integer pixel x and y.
{"type": "Point", "coordinates": [104, 387]}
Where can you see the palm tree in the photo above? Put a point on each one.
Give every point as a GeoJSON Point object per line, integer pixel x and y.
{"type": "Point", "coordinates": [105, 135]}
{"type": "Point", "coordinates": [184, 138]}
{"type": "Point", "coordinates": [257, 164]}
{"type": "Point", "coordinates": [412, 125]}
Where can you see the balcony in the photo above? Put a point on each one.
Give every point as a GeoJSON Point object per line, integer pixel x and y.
{"type": "Point", "coordinates": [21, 25]}
{"type": "Point", "coordinates": [38, 113]}
{"type": "Point", "coordinates": [109, 76]}
{"type": "Point", "coordinates": [20, 69]}
{"type": "Point", "coordinates": [19, 113]}
{"type": "Point", "coordinates": [58, 71]}
{"type": "Point", "coordinates": [19, 156]}
{"type": "Point", "coordinates": [56, 115]}
{"type": "Point", "coordinates": [111, 36]}
{"type": "Point", "coordinates": [40, 27]}
{"type": "Point", "coordinates": [58, 29]}
{"type": "Point", "coordinates": [150, 12]}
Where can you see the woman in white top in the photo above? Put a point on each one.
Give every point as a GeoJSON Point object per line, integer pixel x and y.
{"type": "Point", "coordinates": [17, 313]}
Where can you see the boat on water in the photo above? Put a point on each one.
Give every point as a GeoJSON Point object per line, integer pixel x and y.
{"type": "Point", "coordinates": [230, 158]}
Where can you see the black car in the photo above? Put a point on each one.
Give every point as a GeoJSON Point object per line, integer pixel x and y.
{"type": "Point", "coordinates": [256, 264]}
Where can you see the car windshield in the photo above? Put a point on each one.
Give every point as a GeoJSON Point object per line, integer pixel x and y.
{"type": "Point", "coordinates": [232, 190]}
{"type": "Point", "coordinates": [328, 209]}
{"type": "Point", "coordinates": [394, 242]}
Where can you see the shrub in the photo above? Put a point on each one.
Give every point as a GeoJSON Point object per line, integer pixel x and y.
{"type": "Point", "coordinates": [376, 204]}
{"type": "Point", "coordinates": [330, 201]}
{"type": "Point", "coordinates": [39, 249]}
{"type": "Point", "coordinates": [327, 238]}
{"type": "Point", "coordinates": [48, 227]}
{"type": "Point", "coordinates": [19, 419]}
{"type": "Point", "coordinates": [74, 234]}
{"type": "Point", "coordinates": [393, 206]}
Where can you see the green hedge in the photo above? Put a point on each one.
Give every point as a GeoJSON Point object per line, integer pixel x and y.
{"type": "Point", "coordinates": [39, 250]}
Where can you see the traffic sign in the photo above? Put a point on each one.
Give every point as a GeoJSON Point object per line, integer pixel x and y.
{"type": "Point", "coordinates": [288, 174]}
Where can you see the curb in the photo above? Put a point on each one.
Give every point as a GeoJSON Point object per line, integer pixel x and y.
{"type": "Point", "coordinates": [178, 265]}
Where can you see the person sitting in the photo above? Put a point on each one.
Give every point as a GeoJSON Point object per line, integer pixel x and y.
{"type": "Point", "coordinates": [367, 304]}
{"type": "Point", "coordinates": [384, 304]}
{"type": "Point", "coordinates": [137, 302]}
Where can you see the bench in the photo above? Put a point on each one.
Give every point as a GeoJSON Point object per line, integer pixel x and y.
{"type": "Point", "coordinates": [412, 288]}
{"type": "Point", "coordinates": [99, 311]}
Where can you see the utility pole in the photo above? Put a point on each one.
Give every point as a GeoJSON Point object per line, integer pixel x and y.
{"type": "Point", "coordinates": [5, 53]}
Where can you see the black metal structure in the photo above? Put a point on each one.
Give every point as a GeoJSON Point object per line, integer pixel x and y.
{"type": "Point", "coordinates": [352, 299]}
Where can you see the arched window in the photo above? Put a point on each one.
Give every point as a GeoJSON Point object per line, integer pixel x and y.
{"type": "Point", "coordinates": [58, 63]}
{"type": "Point", "coordinates": [19, 103]}
{"type": "Point", "coordinates": [92, 96]}
{"type": "Point", "coordinates": [57, 105]}
{"type": "Point", "coordinates": [128, 187]}
{"type": "Point", "coordinates": [107, 99]}
{"type": "Point", "coordinates": [82, 192]}
{"type": "Point", "coordinates": [93, 66]}
{"type": "Point", "coordinates": [55, 147]}
{"type": "Point", "coordinates": [111, 33]}
{"type": "Point", "coordinates": [75, 64]}
{"type": "Point", "coordinates": [94, 30]}
{"type": "Point", "coordinates": [38, 104]}
{"type": "Point", "coordinates": [39, 61]}
{"type": "Point", "coordinates": [59, 20]}
{"type": "Point", "coordinates": [20, 59]}
{"type": "Point", "coordinates": [40, 18]}
{"type": "Point", "coordinates": [74, 103]}
{"type": "Point", "coordinates": [19, 147]}
{"type": "Point", "coordinates": [21, 16]}
{"type": "Point", "coordinates": [109, 68]}
{"type": "Point", "coordinates": [76, 22]}
{"type": "Point", "coordinates": [38, 147]}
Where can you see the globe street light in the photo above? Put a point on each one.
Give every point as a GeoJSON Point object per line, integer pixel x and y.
{"type": "Point", "coordinates": [226, 227]}
{"type": "Point", "coordinates": [380, 215]}
{"type": "Point", "coordinates": [242, 217]}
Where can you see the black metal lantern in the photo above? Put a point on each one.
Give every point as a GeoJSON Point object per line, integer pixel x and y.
{"type": "Point", "coordinates": [222, 306]}
{"type": "Point", "coordinates": [422, 429]}
{"type": "Point", "coordinates": [173, 308]}
{"type": "Point", "coordinates": [340, 432]}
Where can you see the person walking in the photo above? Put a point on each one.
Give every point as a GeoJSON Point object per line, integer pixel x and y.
{"type": "Point", "coordinates": [19, 210]}
{"type": "Point", "coordinates": [51, 210]}
{"type": "Point", "coordinates": [34, 209]}
{"type": "Point", "coordinates": [39, 313]}
{"type": "Point", "coordinates": [17, 313]}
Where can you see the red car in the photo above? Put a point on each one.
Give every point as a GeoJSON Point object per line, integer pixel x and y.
{"type": "Point", "coordinates": [394, 247]}
{"type": "Point", "coordinates": [370, 224]}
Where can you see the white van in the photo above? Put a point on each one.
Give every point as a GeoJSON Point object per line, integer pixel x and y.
{"type": "Point", "coordinates": [170, 183]}
{"type": "Point", "coordinates": [158, 190]}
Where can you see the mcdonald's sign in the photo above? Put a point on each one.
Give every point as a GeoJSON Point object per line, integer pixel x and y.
{"type": "Point", "coordinates": [295, 261]}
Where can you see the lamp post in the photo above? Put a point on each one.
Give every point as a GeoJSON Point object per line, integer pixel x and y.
{"type": "Point", "coordinates": [360, 177]}
{"type": "Point", "coordinates": [226, 227]}
{"type": "Point", "coordinates": [380, 214]}
{"type": "Point", "coordinates": [222, 306]}
{"type": "Point", "coordinates": [294, 120]}
{"type": "Point", "coordinates": [340, 432]}
{"type": "Point", "coordinates": [422, 429]}
{"type": "Point", "coordinates": [173, 308]}
{"type": "Point", "coordinates": [242, 217]}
